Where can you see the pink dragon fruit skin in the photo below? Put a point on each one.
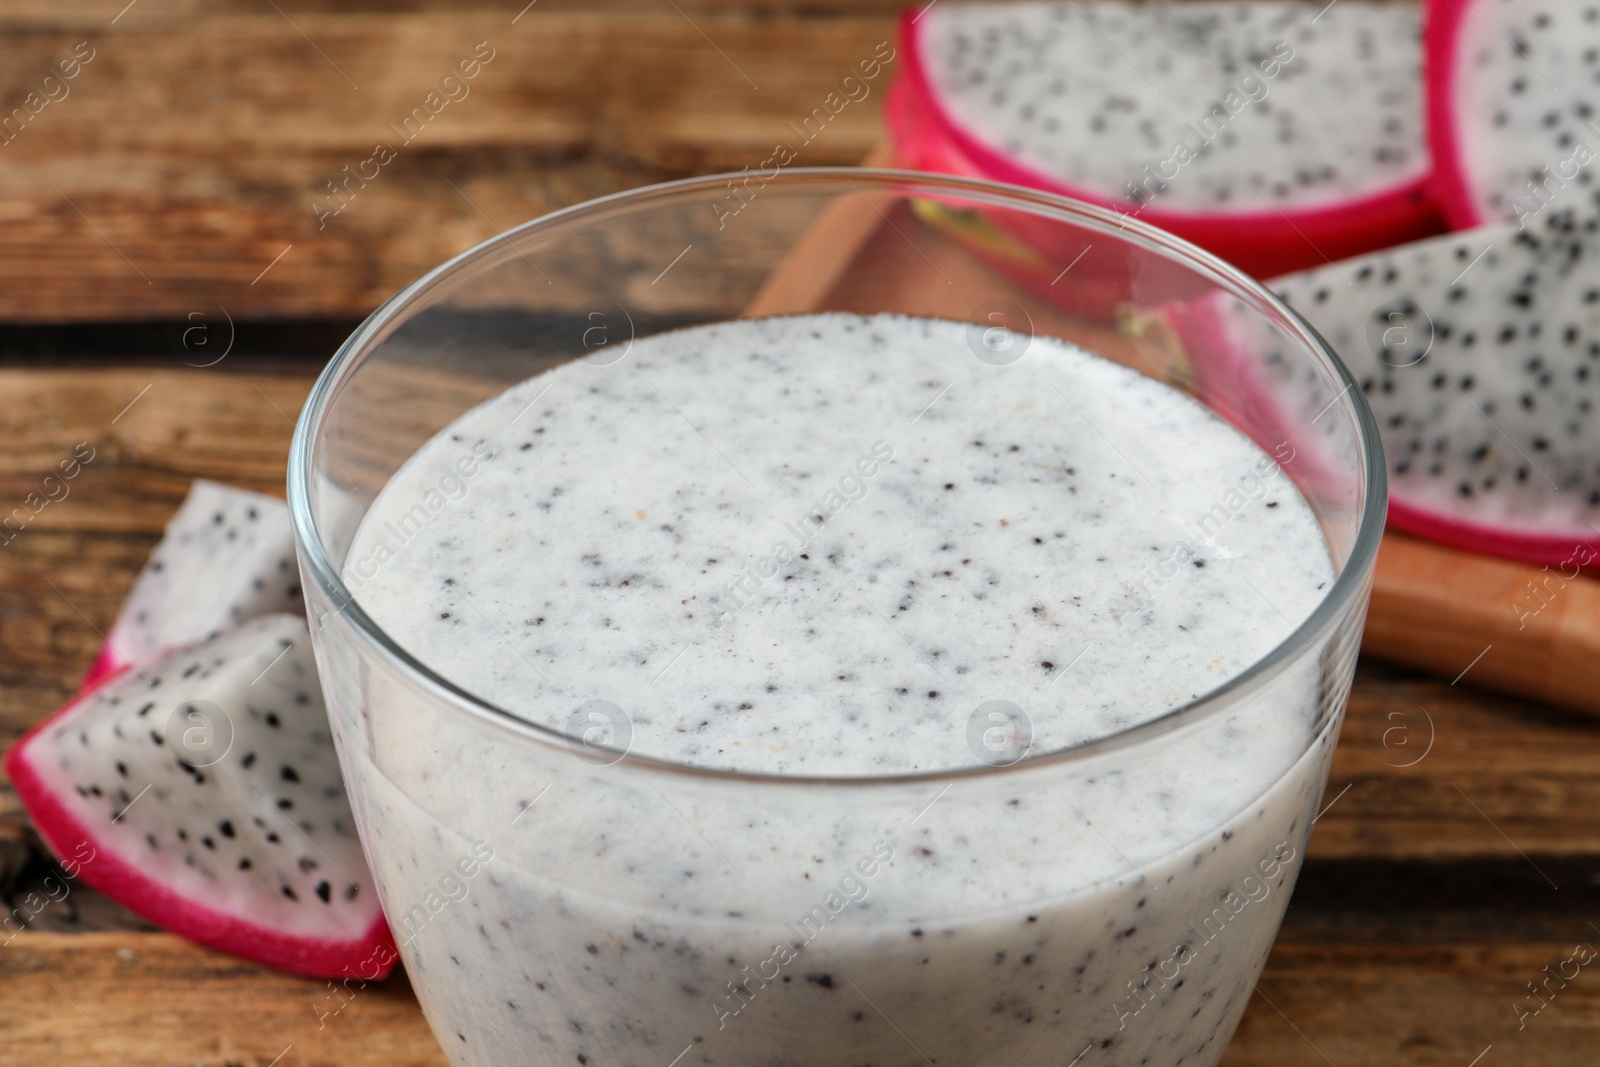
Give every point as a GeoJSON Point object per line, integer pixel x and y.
{"type": "Point", "coordinates": [1512, 108]}
{"type": "Point", "coordinates": [228, 823]}
{"type": "Point", "coordinates": [1264, 242]}
{"type": "Point", "coordinates": [1442, 30]}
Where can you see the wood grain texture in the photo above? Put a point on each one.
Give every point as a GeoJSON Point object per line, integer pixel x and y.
{"type": "Point", "coordinates": [1516, 628]}
{"type": "Point", "coordinates": [1432, 1004]}
{"type": "Point", "coordinates": [149, 998]}
{"type": "Point", "coordinates": [1437, 771]}
{"type": "Point", "coordinates": [198, 142]}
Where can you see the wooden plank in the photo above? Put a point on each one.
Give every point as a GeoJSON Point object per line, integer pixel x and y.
{"type": "Point", "coordinates": [150, 998]}
{"type": "Point", "coordinates": [99, 13]}
{"type": "Point", "coordinates": [1518, 628]}
{"type": "Point", "coordinates": [197, 145]}
{"type": "Point", "coordinates": [1444, 772]}
{"type": "Point", "coordinates": [1366, 1006]}
{"type": "Point", "coordinates": [155, 999]}
{"type": "Point", "coordinates": [802, 280]}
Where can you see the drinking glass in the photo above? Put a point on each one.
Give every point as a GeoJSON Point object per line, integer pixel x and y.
{"type": "Point", "coordinates": [561, 897]}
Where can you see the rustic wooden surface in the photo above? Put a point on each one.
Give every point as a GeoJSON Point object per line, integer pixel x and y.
{"type": "Point", "coordinates": [191, 150]}
{"type": "Point", "coordinates": [1460, 853]}
{"type": "Point", "coordinates": [141, 998]}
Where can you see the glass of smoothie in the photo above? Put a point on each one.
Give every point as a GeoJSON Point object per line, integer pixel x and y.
{"type": "Point", "coordinates": [829, 617]}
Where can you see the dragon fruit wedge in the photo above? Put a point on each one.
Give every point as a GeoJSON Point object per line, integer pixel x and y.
{"type": "Point", "coordinates": [1513, 108]}
{"type": "Point", "coordinates": [202, 790]}
{"type": "Point", "coordinates": [227, 556]}
{"type": "Point", "coordinates": [1276, 134]}
{"type": "Point", "coordinates": [1480, 355]}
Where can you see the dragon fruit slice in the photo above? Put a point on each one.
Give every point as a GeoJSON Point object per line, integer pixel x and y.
{"type": "Point", "coordinates": [1480, 355]}
{"type": "Point", "coordinates": [202, 790]}
{"type": "Point", "coordinates": [1275, 134]}
{"type": "Point", "coordinates": [227, 556]}
{"type": "Point", "coordinates": [1513, 104]}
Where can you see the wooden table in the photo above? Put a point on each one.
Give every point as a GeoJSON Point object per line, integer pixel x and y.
{"type": "Point", "coordinates": [178, 187]}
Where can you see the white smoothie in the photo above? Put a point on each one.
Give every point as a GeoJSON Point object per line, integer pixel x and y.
{"type": "Point", "coordinates": [838, 546]}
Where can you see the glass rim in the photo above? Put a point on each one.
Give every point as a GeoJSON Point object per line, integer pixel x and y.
{"type": "Point", "coordinates": [1347, 585]}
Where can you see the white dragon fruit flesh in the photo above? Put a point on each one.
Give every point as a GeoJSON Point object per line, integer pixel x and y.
{"type": "Point", "coordinates": [227, 556]}
{"type": "Point", "coordinates": [1514, 107]}
{"type": "Point", "coordinates": [201, 789]}
{"type": "Point", "coordinates": [1273, 133]}
{"type": "Point", "coordinates": [1479, 353]}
